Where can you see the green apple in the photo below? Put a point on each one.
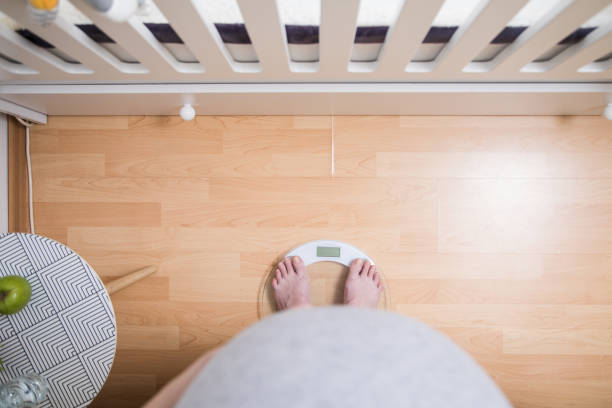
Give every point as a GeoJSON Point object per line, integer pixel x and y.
{"type": "Point", "coordinates": [15, 293]}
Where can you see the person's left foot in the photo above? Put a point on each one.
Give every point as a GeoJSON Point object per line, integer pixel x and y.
{"type": "Point", "coordinates": [291, 284]}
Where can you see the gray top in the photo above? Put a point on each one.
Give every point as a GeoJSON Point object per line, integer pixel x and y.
{"type": "Point", "coordinates": [341, 356]}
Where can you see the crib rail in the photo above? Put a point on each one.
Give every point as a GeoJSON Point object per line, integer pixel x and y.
{"type": "Point", "coordinates": [455, 63]}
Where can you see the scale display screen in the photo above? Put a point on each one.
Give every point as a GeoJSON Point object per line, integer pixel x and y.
{"type": "Point", "coordinates": [328, 252]}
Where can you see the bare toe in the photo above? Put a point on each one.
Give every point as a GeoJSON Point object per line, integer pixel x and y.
{"type": "Point", "coordinates": [355, 268]}
{"type": "Point", "coordinates": [289, 265]}
{"type": "Point", "coordinates": [365, 269]}
{"type": "Point", "coordinates": [371, 272]}
{"type": "Point", "coordinates": [298, 265]}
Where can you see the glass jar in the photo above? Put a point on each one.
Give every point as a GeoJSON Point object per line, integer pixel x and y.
{"type": "Point", "coordinates": [25, 391]}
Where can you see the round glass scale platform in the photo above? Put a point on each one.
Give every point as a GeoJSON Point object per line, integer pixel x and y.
{"type": "Point", "coordinates": [327, 264]}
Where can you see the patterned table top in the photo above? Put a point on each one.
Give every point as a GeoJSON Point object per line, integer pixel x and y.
{"type": "Point", "coordinates": [67, 332]}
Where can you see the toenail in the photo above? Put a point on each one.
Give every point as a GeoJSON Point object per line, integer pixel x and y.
{"type": "Point", "coordinates": [297, 259]}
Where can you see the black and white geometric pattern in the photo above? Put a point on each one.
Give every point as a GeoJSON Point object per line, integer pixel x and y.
{"type": "Point", "coordinates": [67, 331]}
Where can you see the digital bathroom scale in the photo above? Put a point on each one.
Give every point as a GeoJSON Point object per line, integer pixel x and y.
{"type": "Point", "coordinates": [327, 264]}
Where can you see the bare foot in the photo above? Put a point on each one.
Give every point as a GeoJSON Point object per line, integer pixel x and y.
{"type": "Point", "coordinates": [363, 285]}
{"type": "Point", "coordinates": [291, 284]}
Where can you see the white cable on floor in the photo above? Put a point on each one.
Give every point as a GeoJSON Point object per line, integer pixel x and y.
{"type": "Point", "coordinates": [29, 162]}
{"type": "Point", "coordinates": [27, 125]}
{"type": "Point", "coordinates": [333, 166]}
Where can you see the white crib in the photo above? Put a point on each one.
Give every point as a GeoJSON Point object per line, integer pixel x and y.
{"type": "Point", "coordinates": [267, 63]}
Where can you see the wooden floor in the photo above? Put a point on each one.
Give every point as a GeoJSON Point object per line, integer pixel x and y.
{"type": "Point", "coordinates": [495, 230]}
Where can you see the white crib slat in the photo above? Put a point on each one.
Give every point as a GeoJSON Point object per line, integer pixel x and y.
{"type": "Point", "coordinates": [543, 35]}
{"type": "Point", "coordinates": [267, 34]}
{"type": "Point", "coordinates": [36, 57]}
{"type": "Point", "coordinates": [29, 60]}
{"type": "Point", "coordinates": [199, 35]}
{"type": "Point", "coordinates": [472, 37]}
{"type": "Point", "coordinates": [600, 67]}
{"type": "Point", "coordinates": [594, 46]}
{"type": "Point", "coordinates": [8, 68]}
{"type": "Point", "coordinates": [136, 39]}
{"type": "Point", "coordinates": [68, 38]}
{"type": "Point", "coordinates": [337, 34]}
{"type": "Point", "coordinates": [406, 34]}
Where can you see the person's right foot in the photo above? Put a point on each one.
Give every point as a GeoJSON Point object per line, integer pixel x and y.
{"type": "Point", "coordinates": [363, 285]}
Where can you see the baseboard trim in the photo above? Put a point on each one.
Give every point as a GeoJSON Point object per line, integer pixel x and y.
{"type": "Point", "coordinates": [18, 218]}
{"type": "Point", "coordinates": [4, 211]}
